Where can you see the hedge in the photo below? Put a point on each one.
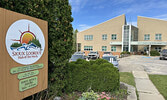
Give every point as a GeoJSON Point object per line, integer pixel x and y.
{"type": "Point", "coordinates": [99, 75]}
{"type": "Point", "coordinates": [154, 53]}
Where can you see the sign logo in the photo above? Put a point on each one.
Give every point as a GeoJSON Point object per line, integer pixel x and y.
{"type": "Point", "coordinates": [25, 42]}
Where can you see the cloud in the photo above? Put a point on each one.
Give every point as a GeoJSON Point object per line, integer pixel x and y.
{"type": "Point", "coordinates": [77, 4]}
{"type": "Point", "coordinates": [141, 7]}
{"type": "Point", "coordinates": [163, 17]}
{"type": "Point", "coordinates": [83, 27]}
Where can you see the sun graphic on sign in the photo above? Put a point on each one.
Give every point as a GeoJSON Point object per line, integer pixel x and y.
{"type": "Point", "coordinates": [26, 36]}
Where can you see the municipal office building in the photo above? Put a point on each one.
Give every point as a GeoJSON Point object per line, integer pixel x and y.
{"type": "Point", "coordinates": [116, 36]}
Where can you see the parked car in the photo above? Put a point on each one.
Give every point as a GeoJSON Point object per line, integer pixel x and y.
{"type": "Point", "coordinates": [112, 59]}
{"type": "Point", "coordinates": [163, 54]}
{"type": "Point", "coordinates": [80, 52]}
{"type": "Point", "coordinates": [77, 55]}
{"type": "Point", "coordinates": [93, 55]}
{"type": "Point", "coordinates": [107, 53]}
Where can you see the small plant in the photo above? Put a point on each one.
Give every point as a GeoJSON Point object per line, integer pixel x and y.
{"type": "Point", "coordinates": [104, 96]}
{"type": "Point", "coordinates": [89, 96]}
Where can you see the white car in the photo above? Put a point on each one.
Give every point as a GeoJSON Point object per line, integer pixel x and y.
{"type": "Point", "coordinates": [93, 55]}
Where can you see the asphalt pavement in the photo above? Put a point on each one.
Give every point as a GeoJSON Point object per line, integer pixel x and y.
{"type": "Point", "coordinates": [152, 65]}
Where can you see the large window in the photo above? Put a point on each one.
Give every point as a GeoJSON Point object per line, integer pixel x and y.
{"type": "Point", "coordinates": [88, 48]}
{"type": "Point", "coordinates": [113, 48]}
{"type": "Point", "coordinates": [113, 36]}
{"type": "Point", "coordinates": [88, 37]}
{"type": "Point", "coordinates": [104, 48]}
{"type": "Point", "coordinates": [104, 37]}
{"type": "Point", "coordinates": [158, 36]}
{"type": "Point", "coordinates": [158, 49]}
{"type": "Point", "coordinates": [147, 37]}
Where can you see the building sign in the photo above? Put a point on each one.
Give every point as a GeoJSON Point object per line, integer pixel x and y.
{"type": "Point", "coordinates": [115, 43]}
{"type": "Point", "coordinates": [28, 83]}
{"type": "Point", "coordinates": [23, 55]}
{"type": "Point", "coordinates": [147, 43]}
{"type": "Point", "coordinates": [25, 42]}
{"type": "Point", "coordinates": [28, 74]}
{"type": "Point", "coordinates": [26, 68]}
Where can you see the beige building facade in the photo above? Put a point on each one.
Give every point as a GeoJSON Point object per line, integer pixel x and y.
{"type": "Point", "coordinates": [116, 36]}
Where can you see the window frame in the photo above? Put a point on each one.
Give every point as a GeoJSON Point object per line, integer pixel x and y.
{"type": "Point", "coordinates": [146, 37]}
{"type": "Point", "coordinates": [158, 36]}
{"type": "Point", "coordinates": [104, 48]}
{"type": "Point", "coordinates": [113, 36]}
{"type": "Point", "coordinates": [88, 48]}
{"type": "Point", "coordinates": [114, 48]}
{"type": "Point", "coordinates": [159, 49]}
{"type": "Point", "coordinates": [104, 37]}
{"type": "Point", "coordinates": [88, 37]}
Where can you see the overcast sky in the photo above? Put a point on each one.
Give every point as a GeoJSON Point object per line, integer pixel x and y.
{"type": "Point", "coordinates": [88, 13]}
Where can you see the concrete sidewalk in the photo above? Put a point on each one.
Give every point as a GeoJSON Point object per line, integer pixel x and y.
{"type": "Point", "coordinates": [145, 88]}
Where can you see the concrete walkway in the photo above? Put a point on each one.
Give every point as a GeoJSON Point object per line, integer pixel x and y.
{"type": "Point", "coordinates": [145, 88]}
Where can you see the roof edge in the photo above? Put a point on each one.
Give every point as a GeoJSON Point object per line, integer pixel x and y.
{"type": "Point", "coordinates": [105, 22]}
{"type": "Point", "coordinates": [151, 18]}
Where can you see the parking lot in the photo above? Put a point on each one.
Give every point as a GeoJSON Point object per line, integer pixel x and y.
{"type": "Point", "coordinates": [152, 65]}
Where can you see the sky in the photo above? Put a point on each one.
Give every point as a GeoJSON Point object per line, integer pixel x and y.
{"type": "Point", "coordinates": [88, 13]}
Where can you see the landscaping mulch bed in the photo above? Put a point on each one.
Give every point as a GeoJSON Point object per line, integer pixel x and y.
{"type": "Point", "coordinates": [120, 94]}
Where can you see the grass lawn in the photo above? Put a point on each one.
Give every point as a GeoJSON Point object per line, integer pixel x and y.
{"type": "Point", "coordinates": [160, 81]}
{"type": "Point", "coordinates": [127, 77]}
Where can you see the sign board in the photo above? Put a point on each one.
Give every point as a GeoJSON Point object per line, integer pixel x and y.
{"type": "Point", "coordinates": [115, 43]}
{"type": "Point", "coordinates": [24, 55]}
{"type": "Point", "coordinates": [147, 43]}
{"type": "Point", "coordinates": [28, 83]}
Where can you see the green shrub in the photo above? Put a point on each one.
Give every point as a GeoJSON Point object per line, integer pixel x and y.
{"type": "Point", "coordinates": [99, 75]}
{"type": "Point", "coordinates": [89, 96]}
{"type": "Point", "coordinates": [125, 52]}
{"type": "Point", "coordinates": [154, 53]}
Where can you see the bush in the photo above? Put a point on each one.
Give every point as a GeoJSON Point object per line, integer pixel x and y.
{"type": "Point", "coordinates": [125, 52]}
{"type": "Point", "coordinates": [154, 53]}
{"type": "Point", "coordinates": [99, 75]}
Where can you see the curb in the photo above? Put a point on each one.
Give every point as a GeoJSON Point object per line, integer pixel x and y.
{"type": "Point", "coordinates": [131, 91]}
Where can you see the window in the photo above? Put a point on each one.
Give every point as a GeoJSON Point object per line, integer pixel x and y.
{"type": "Point", "coordinates": [158, 49]}
{"type": "Point", "coordinates": [147, 37]}
{"type": "Point", "coordinates": [104, 48]}
{"type": "Point", "coordinates": [113, 48]}
{"type": "Point", "coordinates": [146, 49]}
{"type": "Point", "coordinates": [79, 47]}
{"type": "Point", "coordinates": [158, 36]}
{"type": "Point", "coordinates": [104, 37]}
{"type": "Point", "coordinates": [88, 48]}
{"type": "Point", "coordinates": [88, 37]}
{"type": "Point", "coordinates": [113, 36]}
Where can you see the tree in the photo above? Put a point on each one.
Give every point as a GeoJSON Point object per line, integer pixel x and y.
{"type": "Point", "coordinates": [60, 34]}
{"type": "Point", "coordinates": [75, 40]}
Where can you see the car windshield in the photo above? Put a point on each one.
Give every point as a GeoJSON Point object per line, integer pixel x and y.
{"type": "Point", "coordinates": [108, 58]}
{"type": "Point", "coordinates": [93, 52]}
{"type": "Point", "coordinates": [164, 51]}
{"type": "Point", "coordinates": [76, 56]}
{"type": "Point", "coordinates": [79, 52]}
{"type": "Point", "coordinates": [107, 52]}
